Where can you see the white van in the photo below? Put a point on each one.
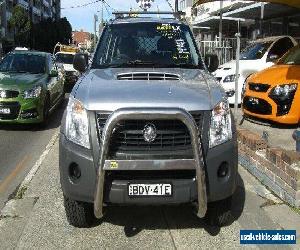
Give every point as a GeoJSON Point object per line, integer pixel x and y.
{"type": "Point", "coordinates": [259, 55]}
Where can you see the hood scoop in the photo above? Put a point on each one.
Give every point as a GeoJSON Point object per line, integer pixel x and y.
{"type": "Point", "coordinates": [148, 76]}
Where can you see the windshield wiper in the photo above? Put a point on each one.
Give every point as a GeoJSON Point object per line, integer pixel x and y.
{"type": "Point", "coordinates": [149, 63]}
{"type": "Point", "coordinates": [179, 65]}
{"type": "Point", "coordinates": [16, 71]}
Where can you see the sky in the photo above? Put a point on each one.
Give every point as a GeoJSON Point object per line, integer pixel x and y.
{"type": "Point", "coordinates": [83, 18]}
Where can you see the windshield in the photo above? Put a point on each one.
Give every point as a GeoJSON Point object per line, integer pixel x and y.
{"type": "Point", "coordinates": [255, 51]}
{"type": "Point", "coordinates": [147, 45]}
{"type": "Point", "coordinates": [292, 57]}
{"type": "Point", "coordinates": [64, 58]}
{"type": "Point", "coordinates": [23, 63]}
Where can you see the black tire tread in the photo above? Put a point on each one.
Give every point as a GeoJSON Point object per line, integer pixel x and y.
{"type": "Point", "coordinates": [79, 214]}
{"type": "Point", "coordinates": [219, 213]}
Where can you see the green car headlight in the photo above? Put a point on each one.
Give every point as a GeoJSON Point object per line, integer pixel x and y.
{"type": "Point", "coordinates": [32, 93]}
{"type": "Point", "coordinates": [77, 123]}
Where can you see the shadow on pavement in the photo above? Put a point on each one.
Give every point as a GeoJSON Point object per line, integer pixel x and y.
{"type": "Point", "coordinates": [135, 219]}
{"type": "Point", "coordinates": [54, 120]}
{"type": "Point", "coordinates": [271, 124]}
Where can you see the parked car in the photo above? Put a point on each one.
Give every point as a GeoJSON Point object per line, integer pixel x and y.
{"type": "Point", "coordinates": [65, 59]}
{"type": "Point", "coordinates": [259, 55]}
{"type": "Point", "coordinates": [273, 93]}
{"type": "Point", "coordinates": [147, 124]}
{"type": "Point", "coordinates": [30, 87]}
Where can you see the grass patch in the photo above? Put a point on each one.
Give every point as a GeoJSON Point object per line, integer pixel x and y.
{"type": "Point", "coordinates": [296, 209]}
{"type": "Point", "coordinates": [20, 193]}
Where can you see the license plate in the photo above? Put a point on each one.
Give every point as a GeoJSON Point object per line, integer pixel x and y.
{"type": "Point", "coordinates": [5, 111]}
{"type": "Point", "coordinates": [254, 100]}
{"type": "Point", "coordinates": [149, 189]}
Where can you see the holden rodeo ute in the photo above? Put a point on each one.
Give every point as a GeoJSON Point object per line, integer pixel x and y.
{"type": "Point", "coordinates": [147, 124]}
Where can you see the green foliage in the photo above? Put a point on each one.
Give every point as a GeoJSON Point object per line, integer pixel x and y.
{"type": "Point", "coordinates": [20, 23]}
{"type": "Point", "coordinates": [40, 36]}
{"type": "Point", "coordinates": [47, 33]}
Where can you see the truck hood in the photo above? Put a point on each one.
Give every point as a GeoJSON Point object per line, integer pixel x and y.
{"type": "Point", "coordinates": [19, 81]}
{"type": "Point", "coordinates": [101, 90]}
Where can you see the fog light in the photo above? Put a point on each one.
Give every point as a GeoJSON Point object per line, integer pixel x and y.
{"type": "Point", "coordinates": [74, 172]}
{"type": "Point", "coordinates": [29, 114]}
{"type": "Point", "coordinates": [223, 170]}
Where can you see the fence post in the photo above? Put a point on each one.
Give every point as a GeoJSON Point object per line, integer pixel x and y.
{"type": "Point", "coordinates": [296, 137]}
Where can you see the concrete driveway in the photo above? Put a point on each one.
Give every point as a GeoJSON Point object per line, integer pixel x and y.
{"type": "Point", "coordinates": [37, 220]}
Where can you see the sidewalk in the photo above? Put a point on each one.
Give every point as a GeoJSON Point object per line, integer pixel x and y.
{"type": "Point", "coordinates": [37, 220]}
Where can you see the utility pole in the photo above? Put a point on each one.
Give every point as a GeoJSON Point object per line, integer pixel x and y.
{"type": "Point", "coordinates": [221, 23]}
{"type": "Point", "coordinates": [176, 5]}
{"type": "Point", "coordinates": [237, 70]}
{"type": "Point", "coordinates": [95, 31]}
{"type": "Point", "coordinates": [101, 18]}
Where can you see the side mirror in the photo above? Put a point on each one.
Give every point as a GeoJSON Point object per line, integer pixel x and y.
{"type": "Point", "coordinates": [80, 62]}
{"type": "Point", "coordinates": [53, 73]}
{"type": "Point", "coordinates": [211, 62]}
{"type": "Point", "coordinates": [272, 58]}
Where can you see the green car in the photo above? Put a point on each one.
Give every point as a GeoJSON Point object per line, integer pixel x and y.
{"type": "Point", "coordinates": [30, 87]}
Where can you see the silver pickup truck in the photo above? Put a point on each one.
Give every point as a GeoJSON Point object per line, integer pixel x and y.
{"type": "Point", "coordinates": [147, 124]}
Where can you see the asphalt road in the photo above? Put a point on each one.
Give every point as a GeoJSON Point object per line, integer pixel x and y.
{"type": "Point", "coordinates": [20, 147]}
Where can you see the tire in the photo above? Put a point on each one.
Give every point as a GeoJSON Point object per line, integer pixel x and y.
{"type": "Point", "coordinates": [219, 213]}
{"type": "Point", "coordinates": [45, 121]}
{"type": "Point", "coordinates": [79, 214]}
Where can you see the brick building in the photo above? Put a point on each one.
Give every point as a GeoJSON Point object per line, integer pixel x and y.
{"type": "Point", "coordinates": [82, 39]}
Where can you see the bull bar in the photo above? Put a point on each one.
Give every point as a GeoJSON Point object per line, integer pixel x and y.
{"type": "Point", "coordinates": [151, 114]}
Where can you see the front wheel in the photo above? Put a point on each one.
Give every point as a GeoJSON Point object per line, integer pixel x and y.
{"type": "Point", "coordinates": [46, 109]}
{"type": "Point", "coordinates": [79, 214]}
{"type": "Point", "coordinates": [219, 212]}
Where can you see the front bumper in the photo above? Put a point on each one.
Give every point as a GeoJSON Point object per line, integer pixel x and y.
{"type": "Point", "coordinates": [263, 107]}
{"type": "Point", "coordinates": [22, 111]}
{"type": "Point", "coordinates": [204, 186]}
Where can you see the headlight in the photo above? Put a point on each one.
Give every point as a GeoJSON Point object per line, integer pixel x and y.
{"type": "Point", "coordinates": [33, 93]}
{"type": "Point", "coordinates": [77, 123]}
{"type": "Point", "coordinates": [230, 78]}
{"type": "Point", "coordinates": [283, 91]}
{"type": "Point", "coordinates": [220, 125]}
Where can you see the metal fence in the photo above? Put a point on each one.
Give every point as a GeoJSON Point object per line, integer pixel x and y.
{"type": "Point", "coordinates": [225, 50]}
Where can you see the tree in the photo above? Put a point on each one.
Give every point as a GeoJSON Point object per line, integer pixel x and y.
{"type": "Point", "coordinates": [20, 23]}
{"type": "Point", "coordinates": [47, 33]}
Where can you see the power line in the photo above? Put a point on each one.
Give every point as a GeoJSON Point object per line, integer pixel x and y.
{"type": "Point", "coordinates": [82, 5]}
{"type": "Point", "coordinates": [170, 5]}
{"type": "Point", "coordinates": [109, 5]}
{"type": "Point", "coordinates": [108, 13]}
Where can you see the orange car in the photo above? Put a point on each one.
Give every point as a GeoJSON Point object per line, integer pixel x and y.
{"type": "Point", "coordinates": [274, 93]}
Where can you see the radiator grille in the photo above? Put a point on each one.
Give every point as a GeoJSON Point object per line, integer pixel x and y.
{"type": "Point", "coordinates": [172, 135]}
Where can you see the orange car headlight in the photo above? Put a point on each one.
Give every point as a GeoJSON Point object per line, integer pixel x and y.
{"type": "Point", "coordinates": [284, 90]}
